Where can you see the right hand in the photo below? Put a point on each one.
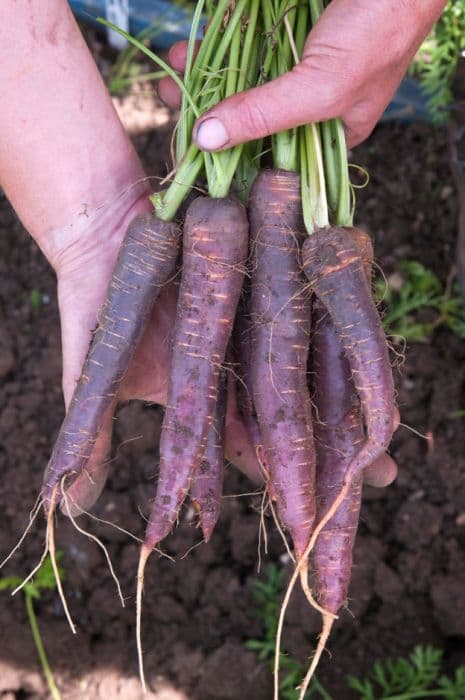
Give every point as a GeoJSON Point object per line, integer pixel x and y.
{"type": "Point", "coordinates": [353, 61]}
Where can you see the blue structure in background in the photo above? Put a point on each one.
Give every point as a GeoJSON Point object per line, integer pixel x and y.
{"type": "Point", "coordinates": [172, 22]}
{"type": "Point", "coordinates": [408, 104]}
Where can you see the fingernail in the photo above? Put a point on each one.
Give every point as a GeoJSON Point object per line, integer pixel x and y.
{"type": "Point", "coordinates": [211, 135]}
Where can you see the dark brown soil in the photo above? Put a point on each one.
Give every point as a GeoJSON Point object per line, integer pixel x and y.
{"type": "Point", "coordinates": [407, 583]}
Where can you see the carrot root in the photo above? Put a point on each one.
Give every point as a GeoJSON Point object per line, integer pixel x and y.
{"type": "Point", "coordinates": [214, 255]}
{"type": "Point", "coordinates": [280, 310]}
{"type": "Point", "coordinates": [207, 483]}
{"type": "Point", "coordinates": [145, 552]}
{"type": "Point", "coordinates": [145, 262]}
{"type": "Point", "coordinates": [328, 621]}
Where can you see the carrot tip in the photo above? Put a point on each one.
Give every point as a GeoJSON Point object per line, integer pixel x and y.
{"type": "Point", "coordinates": [207, 533]}
{"type": "Point", "coordinates": [328, 621]}
{"type": "Point", "coordinates": [145, 552]}
{"type": "Point", "coordinates": [50, 544]}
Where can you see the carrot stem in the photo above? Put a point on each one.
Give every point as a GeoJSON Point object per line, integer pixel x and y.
{"type": "Point", "coordinates": [221, 167]}
{"type": "Point", "coordinates": [344, 213]}
{"type": "Point", "coordinates": [167, 203]}
{"type": "Point", "coordinates": [185, 122]}
{"type": "Point", "coordinates": [284, 144]}
{"type": "Point", "coordinates": [334, 154]}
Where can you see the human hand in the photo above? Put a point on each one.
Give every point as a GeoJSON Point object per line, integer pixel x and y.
{"type": "Point", "coordinates": [75, 181]}
{"type": "Point", "coordinates": [352, 64]}
{"type": "Point", "coordinates": [83, 272]}
{"type": "Point", "coordinates": [383, 471]}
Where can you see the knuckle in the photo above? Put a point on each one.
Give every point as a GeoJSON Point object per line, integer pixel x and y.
{"type": "Point", "coordinates": [357, 133]}
{"type": "Point", "coordinates": [253, 118]}
{"type": "Point", "coordinates": [320, 72]}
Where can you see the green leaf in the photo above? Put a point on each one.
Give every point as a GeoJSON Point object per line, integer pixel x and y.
{"type": "Point", "coordinates": [9, 583]}
{"type": "Point", "coordinates": [36, 298]}
{"type": "Point", "coordinates": [420, 289]}
{"type": "Point", "coordinates": [365, 687]}
{"type": "Point", "coordinates": [45, 576]}
{"type": "Point", "coordinates": [460, 413]}
{"type": "Point", "coordinates": [44, 579]}
{"type": "Point", "coordinates": [31, 590]}
{"type": "Point", "coordinates": [436, 61]}
{"type": "Point", "coordinates": [412, 678]}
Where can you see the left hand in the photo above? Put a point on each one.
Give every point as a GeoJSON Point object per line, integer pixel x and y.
{"type": "Point", "coordinates": [74, 179]}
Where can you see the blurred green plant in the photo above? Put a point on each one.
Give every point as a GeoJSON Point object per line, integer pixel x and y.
{"type": "Point", "coordinates": [437, 60]}
{"type": "Point", "coordinates": [267, 595]}
{"type": "Point", "coordinates": [128, 70]}
{"type": "Point", "coordinates": [419, 289]}
{"type": "Point", "coordinates": [419, 676]}
{"type": "Point", "coordinates": [414, 678]}
{"type": "Point", "coordinates": [35, 298]}
{"type": "Point", "coordinates": [44, 580]}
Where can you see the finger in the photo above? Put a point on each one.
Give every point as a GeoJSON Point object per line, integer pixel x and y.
{"type": "Point", "coordinates": [314, 90]}
{"type": "Point", "coordinates": [169, 93]}
{"type": "Point", "coordinates": [177, 56]}
{"type": "Point", "coordinates": [343, 66]}
{"type": "Point", "coordinates": [381, 473]}
{"type": "Point", "coordinates": [384, 470]}
{"type": "Point", "coordinates": [147, 376]}
{"type": "Point", "coordinates": [88, 485]}
{"type": "Point", "coordinates": [360, 120]}
{"type": "Point", "coordinates": [293, 99]}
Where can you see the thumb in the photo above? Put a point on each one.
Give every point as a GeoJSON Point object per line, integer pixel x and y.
{"type": "Point", "coordinates": [299, 97]}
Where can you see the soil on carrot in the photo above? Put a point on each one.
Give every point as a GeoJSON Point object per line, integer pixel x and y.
{"type": "Point", "coordinates": [198, 610]}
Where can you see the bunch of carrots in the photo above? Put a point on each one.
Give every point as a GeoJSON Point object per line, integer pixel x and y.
{"type": "Point", "coordinates": [274, 280]}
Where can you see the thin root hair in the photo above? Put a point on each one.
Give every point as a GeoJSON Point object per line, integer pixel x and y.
{"type": "Point", "coordinates": [50, 534]}
{"type": "Point", "coordinates": [32, 517]}
{"type": "Point", "coordinates": [281, 531]}
{"type": "Point", "coordinates": [415, 432]}
{"type": "Point", "coordinates": [192, 547]}
{"type": "Point", "coordinates": [262, 529]}
{"type": "Point", "coordinates": [95, 539]}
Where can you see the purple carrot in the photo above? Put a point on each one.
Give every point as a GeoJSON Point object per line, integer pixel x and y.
{"type": "Point", "coordinates": [207, 483]}
{"type": "Point", "coordinates": [333, 261]}
{"type": "Point", "coordinates": [242, 344]}
{"type": "Point", "coordinates": [214, 255]}
{"type": "Point", "coordinates": [280, 307]}
{"type": "Point", "coordinates": [145, 262]}
{"type": "Point", "coordinates": [338, 431]}
{"type": "Point", "coordinates": [337, 262]}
